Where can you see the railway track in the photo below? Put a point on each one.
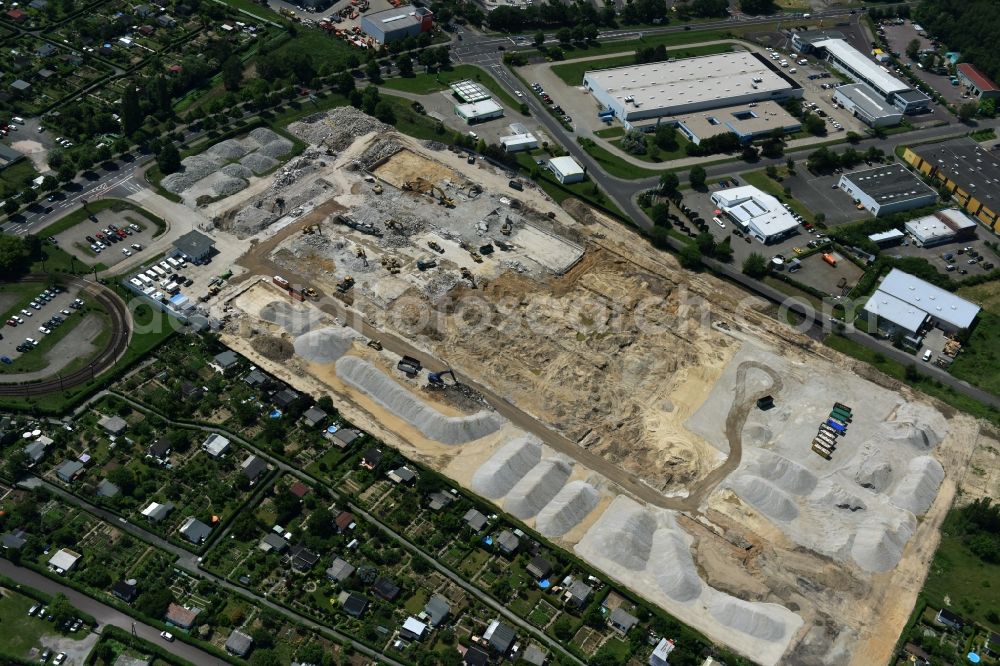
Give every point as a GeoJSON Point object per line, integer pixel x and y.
{"type": "Point", "coordinates": [121, 330]}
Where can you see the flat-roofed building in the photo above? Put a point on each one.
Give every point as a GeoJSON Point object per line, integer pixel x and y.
{"type": "Point", "coordinates": [397, 23]}
{"type": "Point", "coordinates": [566, 170]}
{"type": "Point", "coordinates": [863, 69]}
{"type": "Point", "coordinates": [980, 85]}
{"type": "Point", "coordinates": [970, 172]}
{"type": "Point", "coordinates": [478, 112]}
{"type": "Point", "coordinates": [747, 122]}
{"type": "Point", "coordinates": [804, 40]}
{"type": "Point", "coordinates": [888, 189]}
{"type": "Point", "coordinates": [905, 302]}
{"type": "Point", "coordinates": [867, 105]}
{"type": "Point", "coordinates": [469, 91]}
{"type": "Point", "coordinates": [646, 92]}
{"type": "Point", "coordinates": [756, 212]}
{"type": "Point", "coordinates": [518, 142]}
{"type": "Point", "coordinates": [944, 226]}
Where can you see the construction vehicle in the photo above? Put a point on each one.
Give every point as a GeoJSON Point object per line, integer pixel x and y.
{"type": "Point", "coordinates": [475, 256]}
{"type": "Point", "coordinates": [822, 453]}
{"type": "Point", "coordinates": [311, 229]}
{"type": "Point", "coordinates": [394, 225]}
{"type": "Point", "coordinates": [830, 259]}
{"type": "Point", "coordinates": [363, 256]}
{"type": "Point", "coordinates": [375, 344]}
{"type": "Point", "coordinates": [345, 285]}
{"type": "Point", "coordinates": [467, 274]}
{"type": "Point", "coordinates": [409, 365]}
{"type": "Point", "coordinates": [506, 247]}
{"type": "Point", "coordinates": [364, 227]}
{"type": "Point", "coordinates": [841, 406]}
{"type": "Point", "coordinates": [310, 293]}
{"type": "Point", "coordinates": [486, 250]}
{"type": "Point", "coordinates": [278, 204]}
{"type": "Point", "coordinates": [281, 282]}
{"type": "Point", "coordinates": [434, 246]}
{"type": "Point", "coordinates": [424, 264]}
{"type": "Point", "coordinates": [437, 378]}
{"type": "Point", "coordinates": [506, 227]}
{"type": "Point", "coordinates": [442, 198]}
{"type": "Point", "coordinates": [391, 264]}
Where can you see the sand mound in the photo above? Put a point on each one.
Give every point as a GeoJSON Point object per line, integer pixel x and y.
{"type": "Point", "coordinates": [236, 170]}
{"type": "Point", "coordinates": [277, 148]}
{"type": "Point", "coordinates": [264, 135]}
{"type": "Point", "coordinates": [228, 150]}
{"type": "Point", "coordinates": [570, 506]}
{"type": "Point", "coordinates": [837, 496]}
{"type": "Point", "coordinates": [875, 475]}
{"type": "Point", "coordinates": [743, 616]}
{"type": "Point", "coordinates": [506, 467]}
{"type": "Point", "coordinates": [294, 320]}
{"type": "Point", "coordinates": [757, 434]}
{"type": "Point", "coordinates": [368, 379]}
{"type": "Point", "coordinates": [276, 349]}
{"type": "Point", "coordinates": [920, 435]}
{"type": "Point", "coordinates": [623, 535]}
{"type": "Point", "coordinates": [766, 497]}
{"type": "Point", "coordinates": [784, 473]}
{"type": "Point", "coordinates": [919, 486]}
{"type": "Point", "coordinates": [879, 541]}
{"type": "Point", "coordinates": [674, 566]}
{"type": "Point", "coordinates": [324, 345]}
{"type": "Point", "coordinates": [538, 487]}
{"type": "Point", "coordinates": [258, 163]}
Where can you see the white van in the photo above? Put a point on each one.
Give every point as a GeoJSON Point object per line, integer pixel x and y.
{"type": "Point", "coordinates": [164, 265]}
{"type": "Point", "coordinates": [792, 70]}
{"type": "Point", "coordinates": [173, 262]}
{"type": "Point", "coordinates": [136, 283]}
{"type": "Point", "coordinates": [144, 278]}
{"type": "Point", "coordinates": [159, 271]}
{"type": "Point", "coordinates": [149, 290]}
{"type": "Point", "coordinates": [172, 288]}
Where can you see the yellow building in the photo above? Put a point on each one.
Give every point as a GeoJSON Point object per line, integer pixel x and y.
{"type": "Point", "coordinates": [967, 170]}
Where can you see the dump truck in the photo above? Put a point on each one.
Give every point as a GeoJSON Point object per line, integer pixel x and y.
{"type": "Point", "coordinates": [843, 417]}
{"type": "Point", "coordinates": [409, 365]}
{"type": "Point", "coordinates": [821, 453]}
{"type": "Point", "coordinates": [424, 264]}
{"type": "Point", "coordinates": [839, 427]}
{"type": "Point", "coordinates": [345, 285]}
{"type": "Point", "coordinates": [281, 282]}
{"type": "Point", "coordinates": [842, 406]}
{"type": "Point", "coordinates": [434, 246]}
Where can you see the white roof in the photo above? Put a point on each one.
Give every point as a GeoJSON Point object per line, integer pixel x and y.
{"type": "Point", "coordinates": [937, 302]}
{"type": "Point", "coordinates": [892, 309]}
{"type": "Point", "coordinates": [216, 444]}
{"type": "Point", "coordinates": [857, 61]}
{"type": "Point", "coordinates": [470, 91]}
{"type": "Point", "coordinates": [482, 108]}
{"type": "Point", "coordinates": [756, 208]}
{"type": "Point", "coordinates": [943, 224]}
{"type": "Point", "coordinates": [688, 80]}
{"type": "Point", "coordinates": [892, 234]}
{"type": "Point", "coordinates": [414, 626]}
{"type": "Point", "coordinates": [518, 139]}
{"type": "Point", "coordinates": [565, 165]}
{"type": "Point", "coordinates": [663, 648]}
{"type": "Point", "coordinates": [867, 99]}
{"type": "Point", "coordinates": [64, 559]}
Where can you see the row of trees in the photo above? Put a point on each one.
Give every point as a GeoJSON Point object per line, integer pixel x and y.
{"type": "Point", "coordinates": [967, 26]}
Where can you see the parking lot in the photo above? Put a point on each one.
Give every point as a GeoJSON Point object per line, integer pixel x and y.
{"type": "Point", "coordinates": [82, 239]}
{"type": "Point", "coordinates": [159, 279]}
{"type": "Point", "coordinates": [818, 194]}
{"type": "Point", "coordinates": [972, 262]}
{"type": "Point", "coordinates": [22, 324]}
{"type": "Point", "coordinates": [898, 37]}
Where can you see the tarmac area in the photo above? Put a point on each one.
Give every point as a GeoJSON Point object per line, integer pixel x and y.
{"type": "Point", "coordinates": [75, 236]}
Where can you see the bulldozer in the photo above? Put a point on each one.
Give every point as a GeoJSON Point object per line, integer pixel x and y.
{"type": "Point", "coordinates": [310, 293]}
{"type": "Point", "coordinates": [434, 246]}
{"type": "Point", "coordinates": [375, 344]}
{"type": "Point", "coordinates": [506, 227]}
{"type": "Point", "coordinates": [391, 264]}
{"type": "Point", "coordinates": [345, 285]}
{"type": "Point", "coordinates": [475, 256]}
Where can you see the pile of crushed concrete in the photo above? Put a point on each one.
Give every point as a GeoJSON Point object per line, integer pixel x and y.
{"type": "Point", "coordinates": [336, 129]}
{"type": "Point", "coordinates": [227, 166]}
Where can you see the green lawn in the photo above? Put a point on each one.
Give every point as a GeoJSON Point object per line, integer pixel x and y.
{"type": "Point", "coordinates": [669, 39]}
{"type": "Point", "coordinates": [610, 132]}
{"type": "Point", "coordinates": [615, 165]}
{"type": "Point", "coordinates": [471, 564]}
{"type": "Point", "coordinates": [761, 180]}
{"type": "Point", "coordinates": [794, 292]}
{"type": "Point", "coordinates": [422, 84]}
{"type": "Point", "coordinates": [324, 49]}
{"type": "Point", "coordinates": [970, 584]}
{"type": "Point", "coordinates": [415, 604]}
{"type": "Point", "coordinates": [977, 363]}
{"type": "Point", "coordinates": [661, 155]}
{"type": "Point", "coordinates": [572, 72]}
{"type": "Point", "coordinates": [21, 633]}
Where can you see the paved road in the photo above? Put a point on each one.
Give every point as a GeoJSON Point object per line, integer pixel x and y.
{"type": "Point", "coordinates": [106, 615]}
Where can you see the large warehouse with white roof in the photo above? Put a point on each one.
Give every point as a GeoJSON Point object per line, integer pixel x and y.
{"type": "Point", "coordinates": [863, 69]}
{"type": "Point", "coordinates": [756, 212]}
{"type": "Point", "coordinates": [904, 302]}
{"type": "Point", "coordinates": [641, 94]}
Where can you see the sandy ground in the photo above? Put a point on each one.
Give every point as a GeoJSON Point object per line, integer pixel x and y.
{"type": "Point", "coordinates": [35, 152]}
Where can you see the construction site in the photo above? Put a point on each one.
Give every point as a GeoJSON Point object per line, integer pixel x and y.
{"type": "Point", "coordinates": [658, 423]}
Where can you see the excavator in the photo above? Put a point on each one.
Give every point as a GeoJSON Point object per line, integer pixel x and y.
{"type": "Point", "coordinates": [437, 378]}
{"type": "Point", "coordinates": [311, 229]}
{"type": "Point", "coordinates": [345, 285]}
{"type": "Point", "coordinates": [394, 225]}
{"type": "Point", "coordinates": [467, 274]}
{"type": "Point", "coordinates": [362, 255]}
{"type": "Point", "coordinates": [442, 198]}
{"type": "Point", "coordinates": [506, 227]}
{"type": "Point", "coordinates": [434, 246]}
{"type": "Point", "coordinates": [423, 186]}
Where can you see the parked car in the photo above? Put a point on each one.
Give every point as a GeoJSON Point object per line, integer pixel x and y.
{"type": "Point", "coordinates": [167, 636]}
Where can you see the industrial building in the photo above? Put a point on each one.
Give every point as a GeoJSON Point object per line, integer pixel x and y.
{"type": "Point", "coordinates": [967, 170]}
{"type": "Point", "coordinates": [887, 238]}
{"type": "Point", "coordinates": [746, 122]}
{"type": "Point", "coordinates": [518, 142]}
{"type": "Point", "coordinates": [566, 170]}
{"type": "Point", "coordinates": [756, 212]}
{"type": "Point", "coordinates": [867, 105]}
{"type": "Point", "coordinates": [479, 112]}
{"type": "Point", "coordinates": [977, 83]}
{"type": "Point", "coordinates": [804, 41]}
{"type": "Point", "coordinates": [470, 91]}
{"type": "Point", "coordinates": [944, 226]}
{"type": "Point", "coordinates": [859, 67]}
{"type": "Point", "coordinates": [905, 303]}
{"type": "Point", "coordinates": [398, 23]}
{"type": "Point", "coordinates": [639, 95]}
{"type": "Point", "coordinates": [884, 190]}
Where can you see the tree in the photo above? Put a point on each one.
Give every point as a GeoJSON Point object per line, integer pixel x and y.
{"type": "Point", "coordinates": [373, 71]}
{"type": "Point", "coordinates": [405, 65]}
{"type": "Point", "coordinates": [13, 256]}
{"type": "Point", "coordinates": [232, 73]}
{"type": "Point", "coordinates": [690, 256]}
{"type": "Point", "coordinates": [757, 7]}
{"type": "Point", "coordinates": [61, 609]}
{"type": "Point", "coordinates": [563, 628]}
{"type": "Point", "coordinates": [123, 478]}
{"type": "Point", "coordinates": [17, 463]}
{"type": "Point", "coordinates": [913, 49]}
{"type": "Point", "coordinates": [697, 176]}
{"type": "Point", "coordinates": [749, 153]}
{"type": "Point", "coordinates": [813, 124]}
{"type": "Point", "coordinates": [539, 38]}
{"type": "Point", "coordinates": [131, 113]}
{"type": "Point", "coordinates": [660, 215]}
{"type": "Point", "coordinates": [565, 36]}
{"type": "Point", "coordinates": [168, 159]}
{"type": "Point", "coordinates": [771, 171]}
{"type": "Point", "coordinates": [669, 182]}
{"type": "Point", "coordinates": [852, 137]}
{"type": "Point", "coordinates": [755, 266]}
{"type": "Point", "coordinates": [321, 523]}
{"type": "Point", "coordinates": [967, 111]}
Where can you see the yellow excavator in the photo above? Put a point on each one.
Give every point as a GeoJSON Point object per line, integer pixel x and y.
{"type": "Point", "coordinates": [442, 198]}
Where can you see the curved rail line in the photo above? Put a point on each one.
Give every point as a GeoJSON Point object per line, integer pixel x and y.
{"type": "Point", "coordinates": [121, 332]}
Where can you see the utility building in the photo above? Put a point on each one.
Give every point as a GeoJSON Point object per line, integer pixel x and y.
{"type": "Point", "coordinates": [392, 25]}
{"type": "Point", "coordinates": [904, 302]}
{"type": "Point", "coordinates": [884, 190]}
{"type": "Point", "coordinates": [479, 112]}
{"type": "Point", "coordinates": [867, 105]}
{"type": "Point", "coordinates": [977, 83]}
{"type": "Point", "coordinates": [756, 212]}
{"type": "Point", "coordinates": [944, 226]}
{"type": "Point", "coordinates": [967, 170]}
{"type": "Point", "coordinates": [566, 170]}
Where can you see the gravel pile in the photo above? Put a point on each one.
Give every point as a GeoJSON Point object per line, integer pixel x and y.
{"type": "Point", "coordinates": [919, 486]}
{"type": "Point", "coordinates": [258, 163]}
{"type": "Point", "coordinates": [434, 425]}
{"type": "Point", "coordinates": [226, 186]}
{"type": "Point", "coordinates": [782, 472]}
{"type": "Point", "coordinates": [506, 467]}
{"type": "Point", "coordinates": [295, 320]}
{"type": "Point", "coordinates": [264, 135]}
{"type": "Point", "coordinates": [227, 151]}
{"type": "Point", "coordinates": [199, 166]}
{"type": "Point", "coordinates": [538, 487]}
{"type": "Point", "coordinates": [434, 145]}
{"type": "Point", "coordinates": [237, 171]}
{"type": "Point", "coordinates": [765, 497]}
{"type": "Point", "coordinates": [675, 569]}
{"type": "Point", "coordinates": [277, 148]}
{"type": "Point", "coordinates": [570, 506]}
{"type": "Point", "coordinates": [622, 535]}
{"type": "Point", "coordinates": [324, 345]}
{"type": "Point", "coordinates": [747, 618]}
{"type": "Point", "coordinates": [381, 149]}
{"type": "Point", "coordinates": [336, 129]}
{"type": "Point", "coordinates": [879, 541]}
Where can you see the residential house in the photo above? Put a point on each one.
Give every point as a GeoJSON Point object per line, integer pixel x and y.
{"type": "Point", "coordinates": [621, 621]}
{"type": "Point", "coordinates": [949, 619]}
{"type": "Point", "coordinates": [113, 425]}
{"type": "Point", "coordinates": [343, 437]}
{"type": "Point", "coordinates": [353, 604]}
{"type": "Point", "coordinates": [340, 570]}
{"type": "Point", "coordinates": [216, 445]}
{"type": "Point", "coordinates": [343, 521]}
{"type": "Point", "coordinates": [147, 30]}
{"type": "Point", "coordinates": [401, 475]}
{"type": "Point", "coordinates": [499, 636]}
{"type": "Point", "coordinates": [273, 542]}
{"type": "Point", "coordinates": [255, 378]}
{"type": "Point", "coordinates": [437, 609]}
{"type": "Point", "coordinates": [159, 449]}
{"type": "Point", "coordinates": [386, 589]}
{"type": "Point", "coordinates": [157, 512]}
{"type": "Point", "coordinates": [14, 540]}
{"type": "Point", "coordinates": [475, 520]}
{"type": "Point", "coordinates": [539, 567]}
{"type": "Point", "coordinates": [35, 452]}
{"type": "Point", "coordinates": [46, 73]}
{"type": "Point", "coordinates": [166, 21]}
{"type": "Point", "coordinates": [239, 643]}
{"type": "Point", "coordinates": [413, 629]}
{"type": "Point", "coordinates": [439, 500]}
{"type": "Point", "coordinates": [180, 617]}
{"type": "Point", "coordinates": [225, 361]}
{"type": "Point", "coordinates": [143, 11]}
{"type": "Point", "coordinates": [661, 652]}
{"type": "Point", "coordinates": [507, 542]}
{"type": "Point", "coordinates": [285, 398]}
{"type": "Point", "coordinates": [107, 489]}
{"type": "Point", "coordinates": [299, 489]}
{"type": "Point", "coordinates": [191, 391]}
{"type": "Point", "coordinates": [253, 467]}
{"type": "Point", "coordinates": [69, 470]}
{"type": "Point", "coordinates": [45, 50]}
{"type": "Point", "coordinates": [314, 416]}
{"type": "Point", "coordinates": [126, 590]}
{"type": "Point", "coordinates": [16, 15]}
{"type": "Point", "coordinates": [371, 458]}
{"type": "Point", "coordinates": [475, 657]}
{"type": "Point", "coordinates": [916, 655]}
{"type": "Point", "coordinates": [302, 558]}
{"type": "Point", "coordinates": [992, 644]}
{"type": "Point", "coordinates": [578, 593]}
{"type": "Point", "coordinates": [534, 655]}
{"type": "Point", "coordinates": [194, 530]}
{"type": "Point", "coordinates": [20, 86]}
{"type": "Point", "coordinates": [64, 560]}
